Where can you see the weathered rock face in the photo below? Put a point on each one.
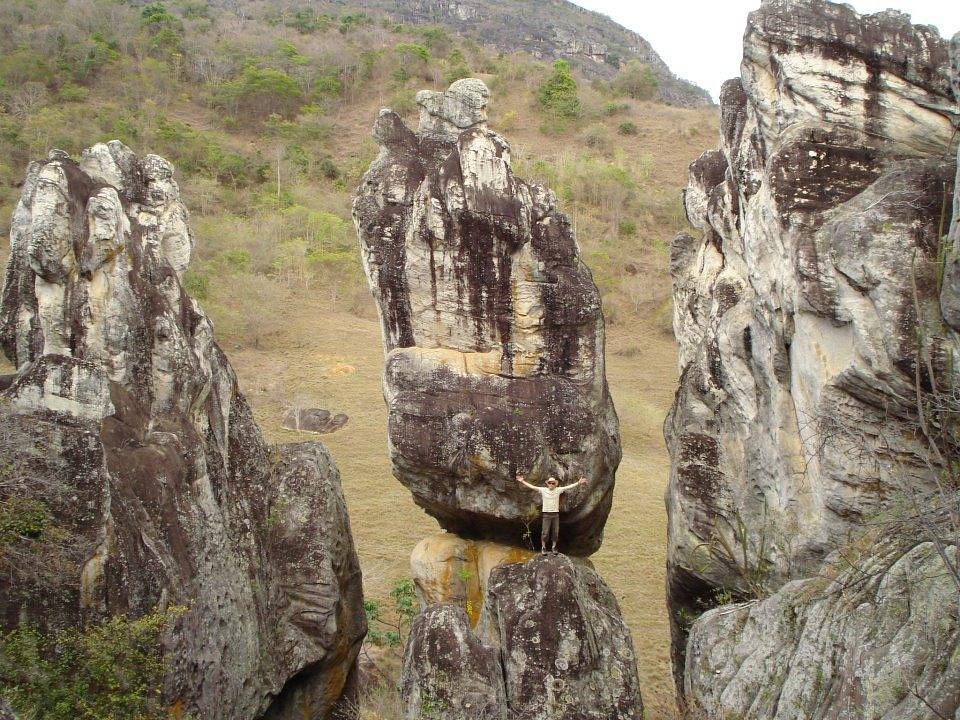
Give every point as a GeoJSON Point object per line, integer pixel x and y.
{"type": "Point", "coordinates": [448, 672]}
{"type": "Point", "coordinates": [492, 327]}
{"type": "Point", "coordinates": [881, 640]}
{"type": "Point", "coordinates": [447, 568]}
{"type": "Point", "coordinates": [551, 642]}
{"type": "Point", "coordinates": [125, 420]}
{"type": "Point", "coordinates": [801, 307]}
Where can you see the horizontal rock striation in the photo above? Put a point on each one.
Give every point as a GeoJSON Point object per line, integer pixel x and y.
{"type": "Point", "coordinates": [550, 645]}
{"type": "Point", "coordinates": [492, 327]}
{"type": "Point", "coordinates": [124, 421]}
{"type": "Point", "coordinates": [808, 308]}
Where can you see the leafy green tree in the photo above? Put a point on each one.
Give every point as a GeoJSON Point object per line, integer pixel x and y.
{"type": "Point", "coordinates": [107, 671]}
{"type": "Point", "coordinates": [635, 79]}
{"type": "Point", "coordinates": [259, 93]}
{"type": "Point", "coordinates": [558, 94]}
{"type": "Point", "coordinates": [164, 29]}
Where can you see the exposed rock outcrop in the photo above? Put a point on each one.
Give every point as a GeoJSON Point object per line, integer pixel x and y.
{"type": "Point", "coordinates": [492, 327]}
{"type": "Point", "coordinates": [125, 422]}
{"type": "Point", "coordinates": [804, 304]}
{"type": "Point", "coordinates": [880, 640]}
{"type": "Point", "coordinates": [550, 640]}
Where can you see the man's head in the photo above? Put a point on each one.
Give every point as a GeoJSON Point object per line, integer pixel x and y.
{"type": "Point", "coordinates": [551, 483]}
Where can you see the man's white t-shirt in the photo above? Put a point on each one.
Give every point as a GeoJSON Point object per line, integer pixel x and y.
{"type": "Point", "coordinates": [551, 498]}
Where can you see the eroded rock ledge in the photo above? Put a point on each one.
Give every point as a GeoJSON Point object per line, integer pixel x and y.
{"type": "Point", "coordinates": [125, 420]}
{"type": "Point", "coordinates": [492, 327]}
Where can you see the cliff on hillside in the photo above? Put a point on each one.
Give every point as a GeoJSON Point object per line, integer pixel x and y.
{"type": "Point", "coordinates": [549, 29]}
{"type": "Point", "coordinates": [494, 338]}
{"type": "Point", "coordinates": [124, 423]}
{"type": "Point", "coordinates": [809, 318]}
{"type": "Point", "coordinates": [492, 327]}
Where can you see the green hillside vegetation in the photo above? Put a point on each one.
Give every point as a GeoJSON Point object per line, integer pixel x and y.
{"type": "Point", "coordinates": [265, 108]}
{"type": "Point", "coordinates": [264, 112]}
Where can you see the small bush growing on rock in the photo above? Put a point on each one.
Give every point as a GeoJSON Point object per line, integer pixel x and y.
{"type": "Point", "coordinates": [22, 518]}
{"type": "Point", "coordinates": [390, 628]}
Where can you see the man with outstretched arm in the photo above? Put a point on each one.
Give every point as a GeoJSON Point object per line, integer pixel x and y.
{"type": "Point", "coordinates": [551, 509]}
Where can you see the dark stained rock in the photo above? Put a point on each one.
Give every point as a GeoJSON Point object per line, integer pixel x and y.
{"type": "Point", "coordinates": [492, 326]}
{"type": "Point", "coordinates": [804, 302]}
{"type": "Point", "coordinates": [551, 642]}
{"type": "Point", "coordinates": [314, 420]}
{"type": "Point", "coordinates": [448, 672]}
{"type": "Point", "coordinates": [126, 422]}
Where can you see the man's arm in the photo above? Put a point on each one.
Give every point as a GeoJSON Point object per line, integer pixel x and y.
{"type": "Point", "coordinates": [581, 481]}
{"type": "Point", "coordinates": [524, 482]}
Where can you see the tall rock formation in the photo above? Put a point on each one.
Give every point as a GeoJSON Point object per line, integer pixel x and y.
{"type": "Point", "coordinates": [125, 423]}
{"type": "Point", "coordinates": [494, 338]}
{"type": "Point", "coordinates": [492, 327]}
{"type": "Point", "coordinates": [808, 310]}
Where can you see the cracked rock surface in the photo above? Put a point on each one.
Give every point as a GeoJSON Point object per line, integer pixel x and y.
{"type": "Point", "coordinates": [550, 645]}
{"type": "Point", "coordinates": [801, 308]}
{"type": "Point", "coordinates": [125, 420]}
{"type": "Point", "coordinates": [492, 327]}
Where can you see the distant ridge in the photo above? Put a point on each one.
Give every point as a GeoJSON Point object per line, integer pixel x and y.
{"type": "Point", "coordinates": [549, 29]}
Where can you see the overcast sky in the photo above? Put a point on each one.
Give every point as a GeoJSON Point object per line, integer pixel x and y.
{"type": "Point", "coordinates": [701, 39]}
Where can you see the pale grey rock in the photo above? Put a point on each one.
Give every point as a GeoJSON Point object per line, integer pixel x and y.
{"type": "Point", "coordinates": [492, 327]}
{"type": "Point", "coordinates": [880, 640]}
{"type": "Point", "coordinates": [800, 305]}
{"type": "Point", "coordinates": [461, 106]}
{"type": "Point", "coordinates": [950, 292]}
{"type": "Point", "coordinates": [125, 419]}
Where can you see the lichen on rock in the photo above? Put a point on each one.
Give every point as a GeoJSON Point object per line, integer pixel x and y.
{"type": "Point", "coordinates": [492, 327]}
{"type": "Point", "coordinates": [808, 309]}
{"type": "Point", "coordinates": [550, 645]}
{"type": "Point", "coordinates": [125, 421]}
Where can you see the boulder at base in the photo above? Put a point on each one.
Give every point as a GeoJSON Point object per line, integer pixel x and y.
{"type": "Point", "coordinates": [561, 649]}
{"type": "Point", "coordinates": [880, 640]}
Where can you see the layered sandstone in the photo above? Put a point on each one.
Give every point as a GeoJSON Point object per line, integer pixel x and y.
{"type": "Point", "coordinates": [124, 420]}
{"type": "Point", "coordinates": [808, 308]}
{"type": "Point", "coordinates": [492, 327]}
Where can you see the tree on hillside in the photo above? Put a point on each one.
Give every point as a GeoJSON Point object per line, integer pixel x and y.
{"type": "Point", "coordinates": [558, 94]}
{"type": "Point", "coordinates": [259, 93]}
{"type": "Point", "coordinates": [165, 30]}
{"type": "Point", "coordinates": [635, 79]}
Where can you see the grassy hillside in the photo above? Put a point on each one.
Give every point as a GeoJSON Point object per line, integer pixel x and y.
{"type": "Point", "coordinates": [265, 108]}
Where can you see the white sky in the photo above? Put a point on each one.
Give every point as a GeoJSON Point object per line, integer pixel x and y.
{"type": "Point", "coordinates": [701, 40]}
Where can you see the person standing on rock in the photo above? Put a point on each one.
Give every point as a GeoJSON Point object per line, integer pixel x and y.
{"type": "Point", "coordinates": [550, 529]}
